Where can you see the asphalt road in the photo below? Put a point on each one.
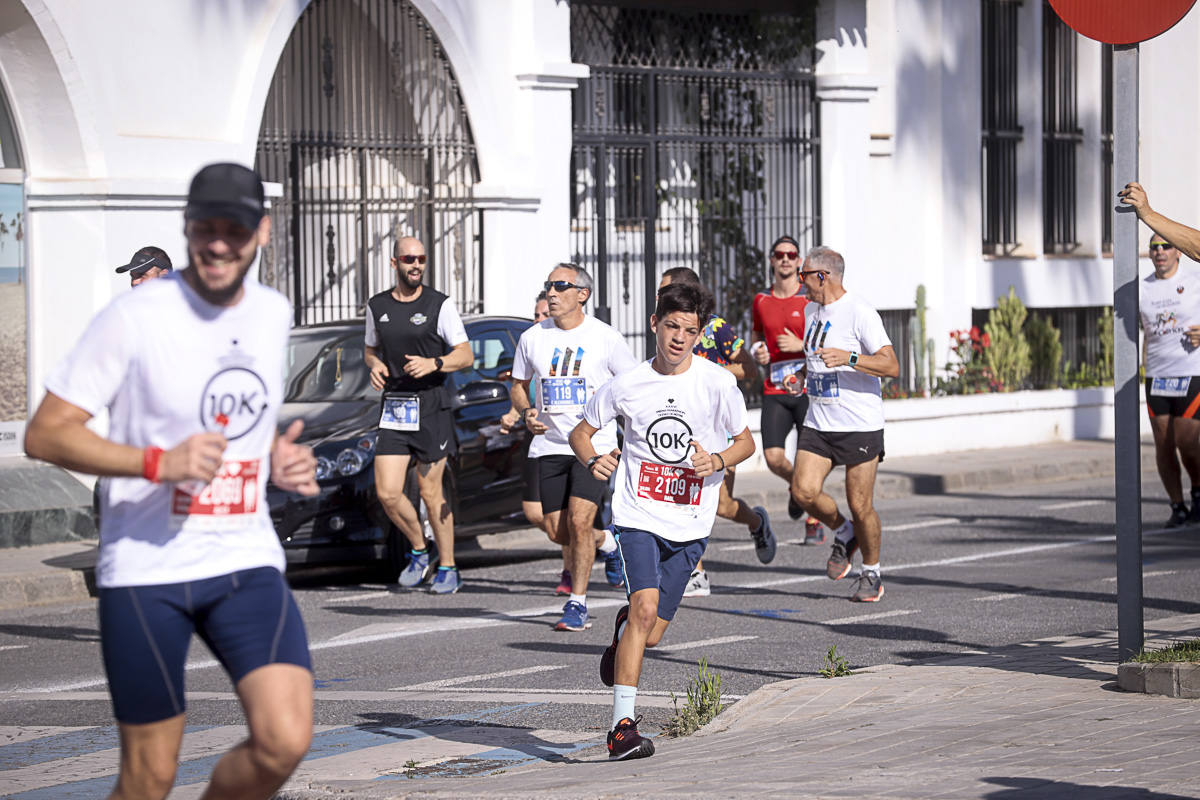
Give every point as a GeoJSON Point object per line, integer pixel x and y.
{"type": "Point", "coordinates": [962, 573]}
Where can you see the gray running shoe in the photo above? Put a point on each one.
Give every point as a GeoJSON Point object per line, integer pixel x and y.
{"type": "Point", "coordinates": [1179, 516]}
{"type": "Point", "coordinates": [838, 565]}
{"type": "Point", "coordinates": [764, 537]}
{"type": "Point", "coordinates": [415, 570]}
{"type": "Point", "coordinates": [868, 588]}
{"type": "Point", "coordinates": [697, 585]}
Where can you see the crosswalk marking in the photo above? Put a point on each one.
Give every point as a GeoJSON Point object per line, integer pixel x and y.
{"type": "Point", "coordinates": [865, 617]}
{"type": "Point", "coordinates": [674, 648]}
{"type": "Point", "coordinates": [508, 673]}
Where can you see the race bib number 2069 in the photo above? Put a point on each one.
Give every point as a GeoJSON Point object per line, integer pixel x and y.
{"type": "Point", "coordinates": [234, 491]}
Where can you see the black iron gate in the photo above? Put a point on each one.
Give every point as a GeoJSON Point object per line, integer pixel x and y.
{"type": "Point", "coordinates": [695, 144]}
{"type": "Point", "coordinates": [366, 131]}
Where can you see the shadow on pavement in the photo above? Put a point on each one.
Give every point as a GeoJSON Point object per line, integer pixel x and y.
{"type": "Point", "coordinates": [1042, 789]}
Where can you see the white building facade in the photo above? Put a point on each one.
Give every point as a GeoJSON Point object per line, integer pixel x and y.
{"type": "Point", "coordinates": [477, 126]}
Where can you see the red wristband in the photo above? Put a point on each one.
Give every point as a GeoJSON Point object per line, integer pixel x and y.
{"type": "Point", "coordinates": [150, 458]}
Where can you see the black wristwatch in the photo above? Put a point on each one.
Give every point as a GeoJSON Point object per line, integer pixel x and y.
{"type": "Point", "coordinates": [591, 462]}
{"type": "Point", "coordinates": [437, 362]}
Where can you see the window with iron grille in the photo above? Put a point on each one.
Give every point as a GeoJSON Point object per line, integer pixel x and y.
{"type": "Point", "coordinates": [1002, 133]}
{"type": "Point", "coordinates": [695, 144]}
{"type": "Point", "coordinates": [1107, 190]}
{"type": "Point", "coordinates": [366, 130]}
{"type": "Point", "coordinates": [1061, 134]}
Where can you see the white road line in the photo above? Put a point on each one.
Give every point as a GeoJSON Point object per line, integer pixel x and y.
{"type": "Point", "coordinates": [925, 523]}
{"type": "Point", "coordinates": [13, 646]}
{"type": "Point", "coordinates": [1156, 574]}
{"type": "Point", "coordinates": [476, 678]}
{"type": "Point", "coordinates": [994, 597]}
{"type": "Point", "coordinates": [353, 597]}
{"type": "Point", "coordinates": [672, 648]}
{"type": "Point", "coordinates": [384, 632]}
{"type": "Point", "coordinates": [864, 617]}
{"type": "Point", "coordinates": [1073, 504]}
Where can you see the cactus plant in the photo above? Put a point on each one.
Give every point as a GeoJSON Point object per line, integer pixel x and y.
{"type": "Point", "coordinates": [1008, 354]}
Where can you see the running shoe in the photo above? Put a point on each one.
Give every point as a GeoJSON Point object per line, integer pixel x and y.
{"type": "Point", "coordinates": [868, 588]}
{"type": "Point", "coordinates": [564, 583]}
{"type": "Point", "coordinates": [1179, 516]}
{"type": "Point", "coordinates": [608, 660]}
{"type": "Point", "coordinates": [613, 572]}
{"type": "Point", "coordinates": [814, 531]}
{"type": "Point", "coordinates": [1194, 515]}
{"type": "Point", "coordinates": [697, 585]}
{"type": "Point", "coordinates": [574, 618]}
{"type": "Point", "coordinates": [624, 741]}
{"type": "Point", "coordinates": [838, 565]}
{"type": "Point", "coordinates": [415, 570]}
{"type": "Point", "coordinates": [764, 537]}
{"type": "Point", "coordinates": [795, 510]}
{"type": "Point", "coordinates": [447, 581]}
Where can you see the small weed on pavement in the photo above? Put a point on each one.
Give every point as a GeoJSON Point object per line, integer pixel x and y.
{"type": "Point", "coordinates": [835, 665]}
{"type": "Point", "coordinates": [703, 703]}
{"type": "Point", "coordinates": [1178, 651]}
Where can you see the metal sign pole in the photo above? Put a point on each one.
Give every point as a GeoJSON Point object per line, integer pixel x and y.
{"type": "Point", "coordinates": [1128, 455]}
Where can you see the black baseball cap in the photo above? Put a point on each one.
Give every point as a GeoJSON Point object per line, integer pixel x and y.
{"type": "Point", "coordinates": [782, 239]}
{"type": "Point", "coordinates": [227, 191]}
{"type": "Point", "coordinates": [149, 256]}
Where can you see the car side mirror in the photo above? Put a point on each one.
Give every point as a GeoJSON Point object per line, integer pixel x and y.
{"type": "Point", "coordinates": [477, 392]}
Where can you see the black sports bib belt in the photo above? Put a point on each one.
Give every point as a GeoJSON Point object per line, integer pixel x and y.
{"type": "Point", "coordinates": [409, 329]}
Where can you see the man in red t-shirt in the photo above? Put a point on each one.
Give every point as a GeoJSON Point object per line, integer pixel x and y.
{"type": "Point", "coordinates": [777, 343]}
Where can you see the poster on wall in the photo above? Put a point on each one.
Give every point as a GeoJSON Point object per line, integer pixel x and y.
{"type": "Point", "coordinates": [12, 310]}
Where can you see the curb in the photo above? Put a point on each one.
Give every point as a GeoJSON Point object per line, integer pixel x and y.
{"type": "Point", "coordinates": [46, 588]}
{"type": "Point", "coordinates": [1168, 678]}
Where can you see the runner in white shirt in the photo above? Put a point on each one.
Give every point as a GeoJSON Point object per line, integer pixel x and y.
{"type": "Point", "coordinates": [848, 351]}
{"type": "Point", "coordinates": [678, 412]}
{"type": "Point", "coordinates": [571, 355]}
{"type": "Point", "coordinates": [190, 370]}
{"type": "Point", "coordinates": [1169, 306]}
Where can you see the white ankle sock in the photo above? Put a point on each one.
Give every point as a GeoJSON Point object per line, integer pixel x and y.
{"type": "Point", "coordinates": [624, 698]}
{"type": "Point", "coordinates": [845, 533]}
{"type": "Point", "coordinates": [578, 598]}
{"type": "Point", "coordinates": [609, 543]}
{"type": "Point", "coordinates": [871, 568]}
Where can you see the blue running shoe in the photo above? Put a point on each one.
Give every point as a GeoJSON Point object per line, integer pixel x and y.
{"type": "Point", "coordinates": [447, 581]}
{"type": "Point", "coordinates": [613, 573]}
{"type": "Point", "coordinates": [415, 570]}
{"type": "Point", "coordinates": [574, 618]}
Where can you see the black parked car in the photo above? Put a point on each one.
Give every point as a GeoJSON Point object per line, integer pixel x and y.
{"type": "Point", "coordinates": [328, 386]}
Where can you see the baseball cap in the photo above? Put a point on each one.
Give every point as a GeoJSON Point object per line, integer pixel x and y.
{"type": "Point", "coordinates": [227, 191]}
{"type": "Point", "coordinates": [149, 256]}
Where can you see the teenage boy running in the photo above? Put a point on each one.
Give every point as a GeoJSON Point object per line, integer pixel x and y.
{"type": "Point", "coordinates": [678, 411]}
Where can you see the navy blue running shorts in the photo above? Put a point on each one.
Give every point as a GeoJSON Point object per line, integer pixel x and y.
{"type": "Point", "coordinates": [648, 561]}
{"type": "Point", "coordinates": [248, 619]}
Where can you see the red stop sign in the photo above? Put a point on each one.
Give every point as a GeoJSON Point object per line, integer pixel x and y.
{"type": "Point", "coordinates": [1121, 21]}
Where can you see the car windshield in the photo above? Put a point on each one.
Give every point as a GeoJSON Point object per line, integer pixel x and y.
{"type": "Point", "coordinates": [326, 366]}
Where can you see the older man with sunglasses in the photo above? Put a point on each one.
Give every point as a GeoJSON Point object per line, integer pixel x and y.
{"type": "Point", "coordinates": [414, 337]}
{"type": "Point", "coordinates": [572, 355]}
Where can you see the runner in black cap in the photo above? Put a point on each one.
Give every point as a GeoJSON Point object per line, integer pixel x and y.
{"type": "Point", "coordinates": [146, 264]}
{"type": "Point", "coordinates": [186, 541]}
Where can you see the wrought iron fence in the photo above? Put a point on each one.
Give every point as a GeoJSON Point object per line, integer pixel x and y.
{"type": "Point", "coordinates": [366, 131]}
{"type": "Point", "coordinates": [1061, 134]}
{"type": "Point", "coordinates": [695, 144]}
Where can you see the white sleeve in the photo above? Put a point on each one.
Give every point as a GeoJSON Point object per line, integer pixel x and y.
{"type": "Point", "coordinates": [621, 358]}
{"type": "Point", "coordinates": [522, 369]}
{"type": "Point", "coordinates": [871, 332]}
{"type": "Point", "coordinates": [732, 414]}
{"type": "Point", "coordinates": [95, 369]}
{"type": "Point", "coordinates": [450, 324]}
{"type": "Point", "coordinates": [602, 408]}
{"type": "Point", "coordinates": [371, 336]}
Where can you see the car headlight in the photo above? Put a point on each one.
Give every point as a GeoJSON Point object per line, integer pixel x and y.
{"type": "Point", "coordinates": [351, 459]}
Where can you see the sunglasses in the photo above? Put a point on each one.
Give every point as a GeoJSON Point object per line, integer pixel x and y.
{"type": "Point", "coordinates": [411, 259]}
{"type": "Point", "coordinates": [804, 273]}
{"type": "Point", "coordinates": [784, 255]}
{"type": "Point", "coordinates": [1161, 246]}
{"type": "Point", "coordinates": [560, 286]}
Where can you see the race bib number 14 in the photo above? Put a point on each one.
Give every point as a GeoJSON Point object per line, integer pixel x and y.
{"type": "Point", "coordinates": [677, 485]}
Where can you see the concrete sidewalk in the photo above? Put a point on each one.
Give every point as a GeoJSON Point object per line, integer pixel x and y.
{"type": "Point", "coordinates": [60, 572]}
{"type": "Point", "coordinates": [1042, 719]}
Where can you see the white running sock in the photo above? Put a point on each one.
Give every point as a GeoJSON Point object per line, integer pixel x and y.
{"type": "Point", "coordinates": [871, 568]}
{"type": "Point", "coordinates": [609, 543]}
{"type": "Point", "coordinates": [578, 598]}
{"type": "Point", "coordinates": [624, 698]}
{"type": "Point", "coordinates": [845, 533]}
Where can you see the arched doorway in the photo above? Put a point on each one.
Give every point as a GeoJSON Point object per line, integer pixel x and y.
{"type": "Point", "coordinates": [13, 281]}
{"type": "Point", "coordinates": [366, 131]}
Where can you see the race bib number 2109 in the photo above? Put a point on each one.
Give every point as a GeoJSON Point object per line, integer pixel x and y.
{"type": "Point", "coordinates": [677, 485]}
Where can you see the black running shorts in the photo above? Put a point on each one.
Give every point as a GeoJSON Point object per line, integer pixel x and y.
{"type": "Point", "coordinates": [842, 447]}
{"type": "Point", "coordinates": [781, 413]}
{"type": "Point", "coordinates": [1169, 399]}
{"type": "Point", "coordinates": [433, 442]}
{"type": "Point", "coordinates": [563, 477]}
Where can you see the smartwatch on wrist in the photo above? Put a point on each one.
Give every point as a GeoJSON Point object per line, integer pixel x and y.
{"type": "Point", "coordinates": [853, 358]}
{"type": "Point", "coordinates": [437, 362]}
{"type": "Point", "coordinates": [591, 462]}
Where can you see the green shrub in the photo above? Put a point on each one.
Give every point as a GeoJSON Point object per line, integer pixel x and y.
{"type": "Point", "coordinates": [1045, 352]}
{"type": "Point", "coordinates": [1008, 356]}
{"type": "Point", "coordinates": [703, 702]}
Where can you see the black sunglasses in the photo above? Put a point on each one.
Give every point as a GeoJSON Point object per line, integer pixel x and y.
{"type": "Point", "coordinates": [804, 273]}
{"type": "Point", "coordinates": [1161, 246]}
{"type": "Point", "coordinates": [560, 286]}
{"type": "Point", "coordinates": [410, 259]}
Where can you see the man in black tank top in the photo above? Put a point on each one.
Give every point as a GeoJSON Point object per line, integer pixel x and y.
{"type": "Point", "coordinates": [414, 336]}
